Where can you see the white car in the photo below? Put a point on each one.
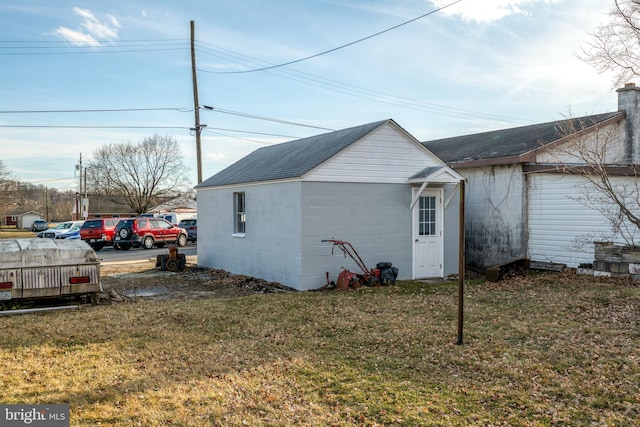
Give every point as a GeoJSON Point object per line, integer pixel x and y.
{"type": "Point", "coordinates": [72, 233]}
{"type": "Point", "coordinates": [60, 228]}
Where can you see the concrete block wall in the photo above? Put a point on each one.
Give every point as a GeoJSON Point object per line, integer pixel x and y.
{"type": "Point", "coordinates": [616, 260]}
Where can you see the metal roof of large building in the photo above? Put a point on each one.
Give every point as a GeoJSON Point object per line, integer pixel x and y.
{"type": "Point", "coordinates": [509, 143]}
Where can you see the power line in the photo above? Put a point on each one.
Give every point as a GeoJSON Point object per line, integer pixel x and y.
{"type": "Point", "coordinates": [48, 47]}
{"type": "Point", "coordinates": [253, 116]}
{"type": "Point", "coordinates": [91, 46]}
{"type": "Point", "coordinates": [343, 46]}
{"type": "Point", "coordinates": [65, 42]}
{"type": "Point", "coordinates": [240, 138]}
{"type": "Point", "coordinates": [253, 133]}
{"type": "Point", "coordinates": [357, 91]}
{"type": "Point", "coordinates": [182, 110]}
{"type": "Point", "coordinates": [140, 127]}
{"type": "Point", "coordinates": [56, 179]}
{"type": "Point", "coordinates": [90, 52]}
{"type": "Point", "coordinates": [294, 75]}
{"type": "Point", "coordinates": [93, 127]}
{"type": "Point", "coordinates": [101, 110]}
{"type": "Point", "coordinates": [305, 78]}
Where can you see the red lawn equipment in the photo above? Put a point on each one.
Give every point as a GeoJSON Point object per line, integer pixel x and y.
{"type": "Point", "coordinates": [348, 279]}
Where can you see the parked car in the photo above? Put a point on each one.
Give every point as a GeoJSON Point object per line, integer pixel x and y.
{"type": "Point", "coordinates": [60, 228]}
{"type": "Point", "coordinates": [191, 225]}
{"type": "Point", "coordinates": [39, 225]}
{"type": "Point", "coordinates": [98, 232]}
{"type": "Point", "coordinates": [147, 232]}
{"type": "Point", "coordinates": [71, 234]}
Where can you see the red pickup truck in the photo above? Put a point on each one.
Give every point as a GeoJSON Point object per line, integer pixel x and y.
{"type": "Point", "coordinates": [98, 232]}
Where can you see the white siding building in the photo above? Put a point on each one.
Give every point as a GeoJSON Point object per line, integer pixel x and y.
{"type": "Point", "coordinates": [374, 186]}
{"type": "Point", "coordinates": [526, 198]}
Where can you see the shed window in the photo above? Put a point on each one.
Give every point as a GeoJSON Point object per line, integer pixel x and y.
{"type": "Point", "coordinates": [240, 217]}
{"type": "Point", "coordinates": [427, 211]}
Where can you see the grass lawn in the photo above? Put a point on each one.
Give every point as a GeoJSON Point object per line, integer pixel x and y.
{"type": "Point", "coordinates": [544, 350]}
{"type": "Point", "coordinates": [13, 233]}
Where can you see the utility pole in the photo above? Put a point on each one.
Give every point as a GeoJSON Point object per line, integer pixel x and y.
{"type": "Point", "coordinates": [79, 192]}
{"type": "Point", "coordinates": [85, 201]}
{"type": "Point", "coordinates": [79, 169]}
{"type": "Point", "coordinates": [196, 104]}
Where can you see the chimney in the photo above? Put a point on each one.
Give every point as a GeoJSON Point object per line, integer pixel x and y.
{"type": "Point", "coordinates": [629, 101]}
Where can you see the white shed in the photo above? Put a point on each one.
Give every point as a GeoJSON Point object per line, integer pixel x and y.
{"type": "Point", "coordinates": [25, 220]}
{"type": "Point", "coordinates": [374, 186]}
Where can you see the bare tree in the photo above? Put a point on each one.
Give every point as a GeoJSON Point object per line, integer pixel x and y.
{"type": "Point", "coordinates": [6, 189]}
{"type": "Point", "coordinates": [4, 171]}
{"type": "Point", "coordinates": [611, 179]}
{"type": "Point", "coordinates": [23, 196]}
{"type": "Point", "coordinates": [594, 153]}
{"type": "Point", "coordinates": [141, 173]}
{"type": "Point", "coordinates": [5, 178]}
{"type": "Point", "coordinates": [615, 46]}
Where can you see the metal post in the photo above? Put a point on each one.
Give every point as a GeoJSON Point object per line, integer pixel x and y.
{"type": "Point", "coordinates": [461, 265]}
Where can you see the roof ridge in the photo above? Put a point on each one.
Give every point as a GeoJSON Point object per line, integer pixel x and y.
{"type": "Point", "coordinates": [604, 115]}
{"type": "Point", "coordinates": [506, 143]}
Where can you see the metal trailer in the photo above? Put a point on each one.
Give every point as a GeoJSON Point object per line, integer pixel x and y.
{"type": "Point", "coordinates": [47, 268]}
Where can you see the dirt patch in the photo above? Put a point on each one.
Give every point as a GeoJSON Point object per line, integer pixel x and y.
{"type": "Point", "coordinates": [144, 280]}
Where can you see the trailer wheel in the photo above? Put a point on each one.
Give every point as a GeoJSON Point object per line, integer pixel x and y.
{"type": "Point", "coordinates": [172, 264]}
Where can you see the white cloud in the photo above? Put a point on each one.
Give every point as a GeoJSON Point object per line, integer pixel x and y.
{"type": "Point", "coordinates": [75, 37]}
{"type": "Point", "coordinates": [487, 10]}
{"type": "Point", "coordinates": [529, 60]}
{"type": "Point", "coordinates": [92, 31]}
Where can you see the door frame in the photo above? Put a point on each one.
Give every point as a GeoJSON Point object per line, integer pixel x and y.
{"type": "Point", "coordinates": [439, 193]}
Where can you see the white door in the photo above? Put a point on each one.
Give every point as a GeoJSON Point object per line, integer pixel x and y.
{"type": "Point", "coordinates": [428, 244]}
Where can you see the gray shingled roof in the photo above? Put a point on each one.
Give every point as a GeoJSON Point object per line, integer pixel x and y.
{"type": "Point", "coordinates": [426, 172]}
{"type": "Point", "coordinates": [290, 159]}
{"type": "Point", "coordinates": [507, 142]}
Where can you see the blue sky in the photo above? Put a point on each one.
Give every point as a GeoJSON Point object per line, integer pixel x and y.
{"type": "Point", "coordinates": [474, 66]}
